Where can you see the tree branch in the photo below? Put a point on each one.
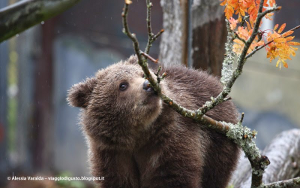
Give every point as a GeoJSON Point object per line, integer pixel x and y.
{"type": "Point", "coordinates": [151, 36]}
{"type": "Point", "coordinates": [141, 60]}
{"type": "Point", "coordinates": [149, 57]}
{"type": "Point", "coordinates": [241, 61]}
{"type": "Point", "coordinates": [22, 15]}
{"type": "Point", "coordinates": [238, 37]}
{"type": "Point", "coordinates": [241, 135]}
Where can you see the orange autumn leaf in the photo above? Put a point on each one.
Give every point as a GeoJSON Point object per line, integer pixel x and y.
{"type": "Point", "coordinates": [281, 28]}
{"type": "Point", "coordinates": [294, 43]}
{"type": "Point", "coordinates": [278, 40]}
{"type": "Point", "coordinates": [269, 16]}
{"type": "Point", "coordinates": [248, 26]}
{"type": "Point", "coordinates": [272, 3]}
{"type": "Point", "coordinates": [289, 38]}
{"type": "Point", "coordinates": [229, 12]}
{"type": "Point", "coordinates": [233, 22]}
{"type": "Point", "coordinates": [244, 7]}
{"type": "Point", "coordinates": [223, 3]}
{"type": "Point", "coordinates": [287, 33]}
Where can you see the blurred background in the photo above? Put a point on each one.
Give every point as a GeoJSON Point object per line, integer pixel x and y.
{"type": "Point", "coordinates": [40, 133]}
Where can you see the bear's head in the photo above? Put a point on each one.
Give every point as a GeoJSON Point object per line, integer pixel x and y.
{"type": "Point", "coordinates": [118, 103]}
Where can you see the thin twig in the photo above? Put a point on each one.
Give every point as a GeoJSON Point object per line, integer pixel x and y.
{"type": "Point", "coordinates": [238, 37]}
{"type": "Point", "coordinates": [242, 117]}
{"type": "Point", "coordinates": [157, 35]}
{"type": "Point", "coordinates": [141, 60]}
{"type": "Point", "coordinates": [149, 28]}
{"type": "Point", "coordinates": [151, 36]}
{"type": "Point", "coordinates": [149, 57]}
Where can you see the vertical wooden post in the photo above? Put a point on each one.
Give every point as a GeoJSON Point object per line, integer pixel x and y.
{"type": "Point", "coordinates": [43, 126]}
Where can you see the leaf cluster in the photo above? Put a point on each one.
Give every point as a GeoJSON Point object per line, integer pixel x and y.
{"type": "Point", "coordinates": [277, 44]}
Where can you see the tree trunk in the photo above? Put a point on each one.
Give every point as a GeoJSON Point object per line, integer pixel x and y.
{"type": "Point", "coordinates": [284, 156]}
{"type": "Point", "coordinates": [200, 40]}
{"type": "Point", "coordinates": [173, 46]}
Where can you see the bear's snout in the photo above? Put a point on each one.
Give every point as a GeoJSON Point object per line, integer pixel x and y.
{"type": "Point", "coordinates": [147, 86]}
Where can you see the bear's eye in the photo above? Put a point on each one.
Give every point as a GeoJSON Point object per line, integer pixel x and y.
{"type": "Point", "coordinates": [123, 86]}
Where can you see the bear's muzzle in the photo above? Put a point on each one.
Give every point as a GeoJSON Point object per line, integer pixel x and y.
{"type": "Point", "coordinates": [147, 87]}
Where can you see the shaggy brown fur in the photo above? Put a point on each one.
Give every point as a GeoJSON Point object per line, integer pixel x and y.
{"type": "Point", "coordinates": [136, 141]}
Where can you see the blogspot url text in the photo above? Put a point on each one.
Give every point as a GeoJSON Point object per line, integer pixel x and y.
{"type": "Point", "coordinates": [42, 178]}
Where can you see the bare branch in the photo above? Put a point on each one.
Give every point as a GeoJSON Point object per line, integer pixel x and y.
{"type": "Point", "coordinates": [142, 61]}
{"type": "Point", "coordinates": [238, 37]}
{"type": "Point", "coordinates": [157, 35]}
{"type": "Point", "coordinates": [151, 36]}
{"type": "Point", "coordinates": [22, 15]}
{"type": "Point", "coordinates": [149, 57]}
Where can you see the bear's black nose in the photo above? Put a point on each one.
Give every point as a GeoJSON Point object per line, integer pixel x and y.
{"type": "Point", "coordinates": [147, 86]}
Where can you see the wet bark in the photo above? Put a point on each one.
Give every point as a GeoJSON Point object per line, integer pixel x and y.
{"type": "Point", "coordinates": [25, 14]}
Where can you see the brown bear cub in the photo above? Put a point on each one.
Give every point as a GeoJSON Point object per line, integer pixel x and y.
{"type": "Point", "coordinates": [137, 141]}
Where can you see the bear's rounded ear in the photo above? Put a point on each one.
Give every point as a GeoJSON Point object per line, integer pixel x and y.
{"type": "Point", "coordinates": [79, 94]}
{"type": "Point", "coordinates": [132, 60]}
